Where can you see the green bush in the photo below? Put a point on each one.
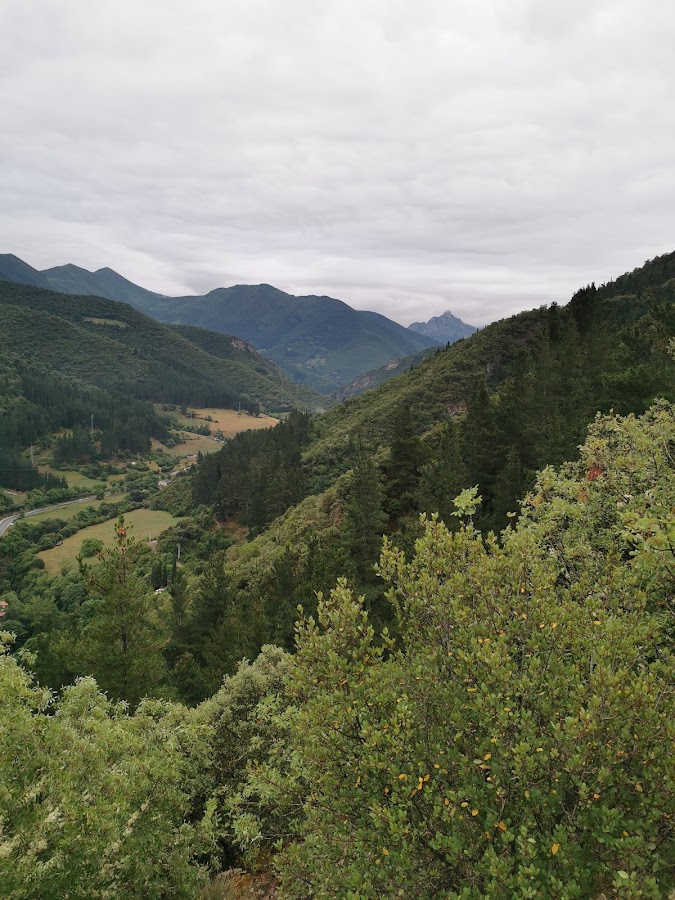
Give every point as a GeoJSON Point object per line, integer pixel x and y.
{"type": "Point", "coordinates": [90, 547]}
{"type": "Point", "coordinates": [95, 802]}
{"type": "Point", "coordinates": [516, 740]}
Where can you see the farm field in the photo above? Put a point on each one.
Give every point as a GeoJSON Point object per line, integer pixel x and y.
{"type": "Point", "coordinates": [194, 443]}
{"type": "Point", "coordinates": [228, 421]}
{"type": "Point", "coordinates": [144, 522]}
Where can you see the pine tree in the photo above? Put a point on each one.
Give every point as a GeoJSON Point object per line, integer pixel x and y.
{"type": "Point", "coordinates": [365, 519]}
{"type": "Point", "coordinates": [444, 477]}
{"type": "Point", "coordinates": [122, 645]}
{"type": "Point", "coordinates": [405, 463]}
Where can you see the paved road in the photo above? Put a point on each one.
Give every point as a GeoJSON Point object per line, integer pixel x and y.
{"type": "Point", "coordinates": [6, 524]}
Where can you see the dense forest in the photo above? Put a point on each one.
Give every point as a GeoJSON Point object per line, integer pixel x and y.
{"type": "Point", "coordinates": [443, 615]}
{"type": "Point", "coordinates": [112, 346]}
{"type": "Point", "coordinates": [36, 402]}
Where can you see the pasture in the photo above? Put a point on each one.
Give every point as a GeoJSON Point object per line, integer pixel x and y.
{"type": "Point", "coordinates": [65, 512]}
{"type": "Point", "coordinates": [143, 522]}
{"type": "Point", "coordinates": [227, 421]}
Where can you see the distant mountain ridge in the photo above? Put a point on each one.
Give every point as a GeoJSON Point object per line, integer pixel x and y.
{"type": "Point", "coordinates": [321, 342]}
{"type": "Point", "coordinates": [446, 328]}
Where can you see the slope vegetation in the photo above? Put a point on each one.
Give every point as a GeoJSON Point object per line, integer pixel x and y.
{"type": "Point", "coordinates": [112, 345]}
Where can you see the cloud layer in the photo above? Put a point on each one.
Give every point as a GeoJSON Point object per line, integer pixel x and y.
{"type": "Point", "coordinates": [484, 155]}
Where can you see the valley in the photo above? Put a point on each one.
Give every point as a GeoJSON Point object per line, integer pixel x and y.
{"type": "Point", "coordinates": [347, 631]}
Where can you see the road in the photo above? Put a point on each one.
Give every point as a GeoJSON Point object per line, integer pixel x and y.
{"type": "Point", "coordinates": [6, 524]}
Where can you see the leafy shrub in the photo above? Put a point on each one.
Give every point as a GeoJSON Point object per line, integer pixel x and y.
{"type": "Point", "coordinates": [90, 547]}
{"type": "Point", "coordinates": [514, 742]}
{"type": "Point", "coordinates": [95, 802]}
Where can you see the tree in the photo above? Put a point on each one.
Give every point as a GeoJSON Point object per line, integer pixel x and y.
{"type": "Point", "coordinates": [122, 645]}
{"type": "Point", "coordinates": [444, 476]}
{"type": "Point", "coordinates": [365, 517]}
{"type": "Point", "coordinates": [407, 456]}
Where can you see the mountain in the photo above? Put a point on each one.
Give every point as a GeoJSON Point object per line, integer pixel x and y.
{"type": "Point", "coordinates": [445, 328]}
{"type": "Point", "coordinates": [14, 269]}
{"type": "Point", "coordinates": [72, 279]}
{"type": "Point", "coordinates": [319, 341]}
{"type": "Point", "coordinates": [328, 341]}
{"type": "Point", "coordinates": [614, 336]}
{"type": "Point", "coordinates": [112, 345]}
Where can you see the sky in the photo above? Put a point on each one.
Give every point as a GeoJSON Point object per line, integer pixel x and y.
{"type": "Point", "coordinates": [406, 156]}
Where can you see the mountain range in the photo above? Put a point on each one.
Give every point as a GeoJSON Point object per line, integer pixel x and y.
{"type": "Point", "coordinates": [319, 341]}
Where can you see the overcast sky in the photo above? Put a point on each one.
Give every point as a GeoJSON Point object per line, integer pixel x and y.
{"type": "Point", "coordinates": [406, 156]}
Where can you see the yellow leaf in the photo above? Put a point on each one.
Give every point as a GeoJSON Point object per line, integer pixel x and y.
{"type": "Point", "coordinates": [474, 812]}
{"type": "Point", "coordinates": [402, 777]}
{"type": "Point", "coordinates": [554, 624]}
{"type": "Point", "coordinates": [385, 852]}
{"type": "Point", "coordinates": [487, 756]}
{"type": "Point", "coordinates": [596, 796]}
{"type": "Point", "coordinates": [638, 788]}
{"type": "Point", "coordinates": [464, 804]}
{"type": "Point", "coordinates": [555, 848]}
{"type": "Point", "coordinates": [540, 749]}
{"type": "Point", "coordinates": [501, 826]}
{"type": "Point", "coordinates": [527, 793]}
{"type": "Point", "coordinates": [446, 801]}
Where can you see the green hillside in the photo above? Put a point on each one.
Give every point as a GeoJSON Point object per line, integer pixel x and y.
{"type": "Point", "coordinates": [607, 344]}
{"type": "Point", "coordinates": [112, 345]}
{"type": "Point", "coordinates": [321, 337]}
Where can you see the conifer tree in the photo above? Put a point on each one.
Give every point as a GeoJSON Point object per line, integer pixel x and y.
{"type": "Point", "coordinates": [365, 518]}
{"type": "Point", "coordinates": [122, 645]}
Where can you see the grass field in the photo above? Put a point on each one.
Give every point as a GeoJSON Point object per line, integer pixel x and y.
{"type": "Point", "coordinates": [144, 521]}
{"type": "Point", "coordinates": [67, 512]}
{"type": "Point", "coordinates": [228, 421]}
{"type": "Point", "coordinates": [74, 479]}
{"type": "Point", "coordinates": [193, 444]}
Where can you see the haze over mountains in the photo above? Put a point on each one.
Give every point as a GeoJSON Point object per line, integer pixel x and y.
{"type": "Point", "coordinates": [320, 341]}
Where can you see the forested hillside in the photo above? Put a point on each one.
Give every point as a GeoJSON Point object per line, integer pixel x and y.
{"type": "Point", "coordinates": [114, 346]}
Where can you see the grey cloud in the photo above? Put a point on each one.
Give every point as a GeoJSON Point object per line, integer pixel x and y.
{"type": "Point", "coordinates": [484, 156]}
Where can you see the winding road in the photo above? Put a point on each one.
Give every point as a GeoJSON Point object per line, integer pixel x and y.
{"type": "Point", "coordinates": [6, 524]}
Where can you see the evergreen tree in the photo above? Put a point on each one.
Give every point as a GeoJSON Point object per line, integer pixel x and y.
{"type": "Point", "coordinates": [407, 456]}
{"type": "Point", "coordinates": [122, 645]}
{"type": "Point", "coordinates": [444, 477]}
{"type": "Point", "coordinates": [365, 517]}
